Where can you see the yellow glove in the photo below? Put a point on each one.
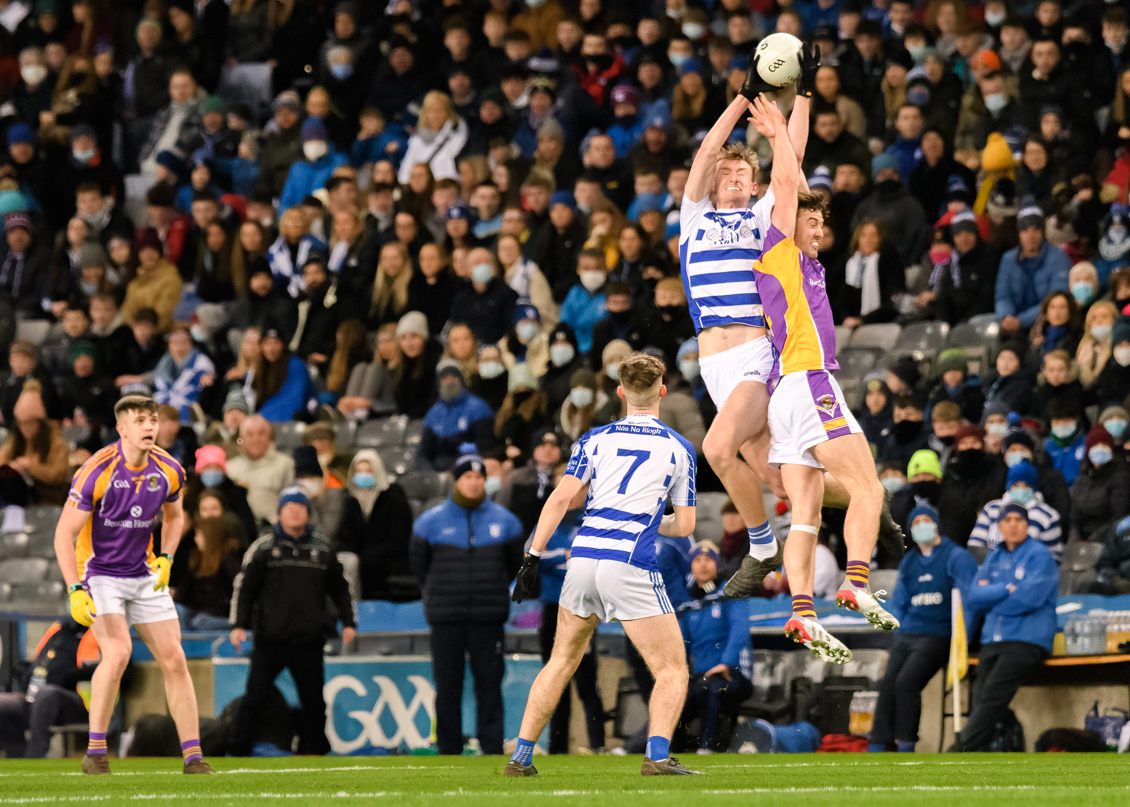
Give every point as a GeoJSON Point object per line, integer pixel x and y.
{"type": "Point", "coordinates": [82, 607]}
{"type": "Point", "coordinates": [163, 567]}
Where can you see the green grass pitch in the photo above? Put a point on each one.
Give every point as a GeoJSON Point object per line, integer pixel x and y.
{"type": "Point", "coordinates": [809, 780]}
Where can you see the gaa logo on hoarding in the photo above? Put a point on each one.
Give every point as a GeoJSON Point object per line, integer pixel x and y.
{"type": "Point", "coordinates": [388, 723]}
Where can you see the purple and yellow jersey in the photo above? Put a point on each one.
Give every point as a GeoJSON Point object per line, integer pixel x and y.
{"type": "Point", "coordinates": [795, 298]}
{"type": "Point", "coordinates": [123, 503]}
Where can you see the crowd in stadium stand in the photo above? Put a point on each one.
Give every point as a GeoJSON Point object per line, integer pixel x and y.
{"type": "Point", "coordinates": [465, 213]}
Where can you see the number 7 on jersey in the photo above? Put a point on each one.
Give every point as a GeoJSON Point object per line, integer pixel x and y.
{"type": "Point", "coordinates": [640, 457]}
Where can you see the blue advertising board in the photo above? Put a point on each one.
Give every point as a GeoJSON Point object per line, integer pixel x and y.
{"type": "Point", "coordinates": [384, 702]}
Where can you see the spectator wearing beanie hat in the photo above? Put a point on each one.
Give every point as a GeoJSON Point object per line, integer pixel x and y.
{"type": "Point", "coordinates": [1098, 496]}
{"type": "Point", "coordinates": [457, 418]}
{"type": "Point", "coordinates": [924, 473]}
{"type": "Point", "coordinates": [1065, 445]}
{"type": "Point", "coordinates": [971, 479]}
{"type": "Point", "coordinates": [1028, 273]}
{"type": "Point", "coordinates": [1012, 387]}
{"type": "Point", "coordinates": [24, 274]}
{"type": "Point", "coordinates": [955, 385]}
{"type": "Point", "coordinates": [876, 416]}
{"type": "Point", "coordinates": [893, 206]}
{"type": "Point", "coordinates": [1021, 489]}
{"type": "Point", "coordinates": [1114, 419]}
{"type": "Point", "coordinates": [465, 552]}
{"type": "Point", "coordinates": [582, 403]}
{"type": "Point", "coordinates": [903, 377]}
{"type": "Point", "coordinates": [319, 160]}
{"type": "Point", "coordinates": [1018, 446]}
{"type": "Point", "coordinates": [1059, 384]}
{"type": "Point", "coordinates": [415, 379]}
{"type": "Point", "coordinates": [921, 601]}
{"type": "Point", "coordinates": [909, 433]}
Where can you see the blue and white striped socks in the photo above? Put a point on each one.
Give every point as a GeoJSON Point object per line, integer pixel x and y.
{"type": "Point", "coordinates": [762, 544]}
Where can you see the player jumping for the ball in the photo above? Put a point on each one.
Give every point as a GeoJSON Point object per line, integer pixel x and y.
{"type": "Point", "coordinates": [104, 545]}
{"type": "Point", "coordinates": [721, 236]}
{"type": "Point", "coordinates": [811, 429]}
{"type": "Point", "coordinates": [631, 467]}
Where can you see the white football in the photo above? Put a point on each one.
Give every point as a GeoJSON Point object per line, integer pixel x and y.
{"type": "Point", "coordinates": [778, 59]}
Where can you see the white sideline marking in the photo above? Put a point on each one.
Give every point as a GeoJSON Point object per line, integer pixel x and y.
{"type": "Point", "coordinates": [863, 764]}
{"type": "Point", "coordinates": [247, 771]}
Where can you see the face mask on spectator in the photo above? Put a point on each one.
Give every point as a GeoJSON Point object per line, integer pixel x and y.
{"type": "Point", "coordinates": [198, 334]}
{"type": "Point", "coordinates": [1082, 292]}
{"type": "Point", "coordinates": [593, 279]}
{"type": "Point", "coordinates": [493, 485]}
{"type": "Point", "coordinates": [994, 18]}
{"type": "Point", "coordinates": [1021, 495]}
{"type": "Point", "coordinates": [996, 429]}
{"type": "Point", "coordinates": [924, 533]}
{"type": "Point", "coordinates": [1100, 455]}
{"type": "Point", "coordinates": [1017, 457]}
{"type": "Point", "coordinates": [364, 481]}
{"type": "Point", "coordinates": [581, 397]}
{"type": "Point", "coordinates": [314, 150]}
{"type": "Point", "coordinates": [677, 59]}
{"type": "Point", "coordinates": [891, 483]}
{"type": "Point", "coordinates": [613, 371]}
{"type": "Point", "coordinates": [689, 369]}
{"type": "Point", "coordinates": [1116, 427]}
{"type": "Point", "coordinates": [491, 369]}
{"type": "Point", "coordinates": [919, 96]}
{"type": "Point", "coordinates": [939, 255]}
{"type": "Point", "coordinates": [694, 30]}
{"type": "Point", "coordinates": [527, 331]}
{"type": "Point", "coordinates": [482, 273]}
{"type": "Point", "coordinates": [1122, 355]}
{"type": "Point", "coordinates": [83, 156]}
{"type": "Point", "coordinates": [1100, 331]}
{"type": "Point", "coordinates": [996, 101]}
{"type": "Point", "coordinates": [1063, 430]}
{"type": "Point", "coordinates": [312, 487]}
{"type": "Point", "coordinates": [33, 74]}
{"type": "Point", "coordinates": [916, 51]}
{"type": "Point", "coordinates": [341, 70]}
{"type": "Point", "coordinates": [561, 355]}
{"type": "Point", "coordinates": [211, 479]}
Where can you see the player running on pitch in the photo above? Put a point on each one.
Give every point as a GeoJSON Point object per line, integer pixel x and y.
{"type": "Point", "coordinates": [811, 429]}
{"type": "Point", "coordinates": [104, 545]}
{"type": "Point", "coordinates": [721, 236]}
{"type": "Point", "coordinates": [631, 467]}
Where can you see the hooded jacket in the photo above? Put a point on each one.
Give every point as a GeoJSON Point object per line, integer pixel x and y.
{"type": "Point", "coordinates": [1025, 614]}
{"type": "Point", "coordinates": [449, 424]}
{"type": "Point", "coordinates": [387, 528]}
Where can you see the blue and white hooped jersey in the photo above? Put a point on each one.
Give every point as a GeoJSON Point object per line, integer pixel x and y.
{"type": "Point", "coordinates": [717, 249]}
{"type": "Point", "coordinates": [632, 466]}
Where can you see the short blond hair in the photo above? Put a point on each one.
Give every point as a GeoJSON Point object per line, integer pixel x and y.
{"type": "Point", "coordinates": [740, 151]}
{"type": "Point", "coordinates": [641, 376]}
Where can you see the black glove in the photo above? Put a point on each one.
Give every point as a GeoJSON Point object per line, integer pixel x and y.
{"type": "Point", "coordinates": [527, 585]}
{"type": "Point", "coordinates": [809, 64]}
{"type": "Point", "coordinates": [754, 84]}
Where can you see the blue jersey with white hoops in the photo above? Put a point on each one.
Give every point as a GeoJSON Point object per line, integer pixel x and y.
{"type": "Point", "coordinates": [632, 466]}
{"type": "Point", "coordinates": [717, 249]}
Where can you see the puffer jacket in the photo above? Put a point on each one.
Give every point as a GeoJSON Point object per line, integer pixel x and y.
{"type": "Point", "coordinates": [465, 559]}
{"type": "Point", "coordinates": [1100, 495]}
{"type": "Point", "coordinates": [1025, 614]}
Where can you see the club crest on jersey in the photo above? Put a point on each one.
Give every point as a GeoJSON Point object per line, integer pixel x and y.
{"type": "Point", "coordinates": [827, 403]}
{"type": "Point", "coordinates": [154, 482]}
{"type": "Point", "coordinates": [723, 237]}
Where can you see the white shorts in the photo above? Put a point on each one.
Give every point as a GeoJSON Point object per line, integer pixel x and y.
{"type": "Point", "coordinates": [613, 590]}
{"type": "Point", "coordinates": [752, 361]}
{"type": "Point", "coordinates": [132, 597]}
{"type": "Point", "coordinates": [805, 409]}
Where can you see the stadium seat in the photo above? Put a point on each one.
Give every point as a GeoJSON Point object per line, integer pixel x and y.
{"type": "Point", "coordinates": [986, 325]}
{"type": "Point", "coordinates": [773, 674]}
{"type": "Point", "coordinates": [922, 340]}
{"type": "Point", "coordinates": [884, 580]}
{"type": "Point", "coordinates": [42, 517]}
{"type": "Point", "coordinates": [710, 506]}
{"type": "Point", "coordinates": [425, 484]}
{"type": "Point", "coordinates": [288, 435]}
{"type": "Point", "coordinates": [398, 460]}
{"type": "Point", "coordinates": [38, 594]}
{"type": "Point", "coordinates": [843, 336]}
{"type": "Point", "coordinates": [883, 336]}
{"type": "Point", "coordinates": [13, 545]}
{"type": "Point", "coordinates": [413, 432]}
{"type": "Point", "coordinates": [978, 348]}
{"type": "Point", "coordinates": [864, 664]}
{"type": "Point", "coordinates": [381, 433]}
{"type": "Point", "coordinates": [346, 435]}
{"type": "Point", "coordinates": [54, 572]}
{"type": "Point", "coordinates": [428, 504]}
{"type": "Point", "coordinates": [5, 592]}
{"type": "Point", "coordinates": [235, 337]}
{"type": "Point", "coordinates": [19, 571]}
{"type": "Point", "coordinates": [417, 506]}
{"type": "Point", "coordinates": [1077, 567]}
{"type": "Point", "coordinates": [35, 331]}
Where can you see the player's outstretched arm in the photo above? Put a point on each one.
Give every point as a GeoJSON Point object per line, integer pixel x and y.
{"type": "Point", "coordinates": [678, 524]}
{"type": "Point", "coordinates": [70, 524]}
{"type": "Point", "coordinates": [799, 119]}
{"type": "Point", "coordinates": [554, 510]}
{"type": "Point", "coordinates": [700, 181]}
{"type": "Point", "coordinates": [786, 174]}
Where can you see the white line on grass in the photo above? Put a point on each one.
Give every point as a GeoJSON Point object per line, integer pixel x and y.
{"type": "Point", "coordinates": [862, 764]}
{"type": "Point", "coordinates": [248, 770]}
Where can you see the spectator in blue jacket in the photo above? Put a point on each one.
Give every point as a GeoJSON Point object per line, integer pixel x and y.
{"type": "Point", "coordinates": [1066, 446]}
{"type": "Point", "coordinates": [716, 632]}
{"type": "Point", "coordinates": [458, 417]}
{"type": "Point", "coordinates": [182, 374]}
{"type": "Point", "coordinates": [319, 159]}
{"type": "Point", "coordinates": [921, 601]}
{"type": "Point", "coordinates": [279, 385]}
{"type": "Point", "coordinates": [1029, 272]}
{"type": "Point", "coordinates": [552, 565]}
{"type": "Point", "coordinates": [1015, 593]}
{"type": "Point", "coordinates": [378, 140]}
{"type": "Point", "coordinates": [584, 304]}
{"type": "Point", "coordinates": [465, 552]}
